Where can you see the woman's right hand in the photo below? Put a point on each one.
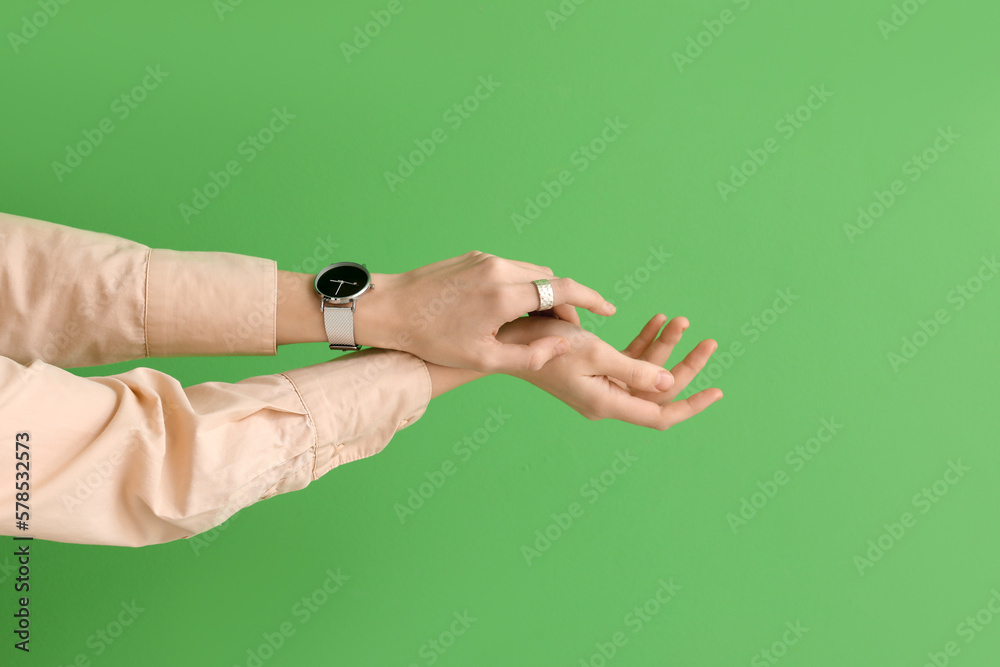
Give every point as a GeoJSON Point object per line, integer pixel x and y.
{"type": "Point", "coordinates": [449, 312]}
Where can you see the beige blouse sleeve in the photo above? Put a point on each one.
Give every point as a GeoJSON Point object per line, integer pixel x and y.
{"type": "Point", "coordinates": [135, 458]}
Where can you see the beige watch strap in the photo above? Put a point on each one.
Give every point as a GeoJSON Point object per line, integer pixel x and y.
{"type": "Point", "coordinates": [339, 322]}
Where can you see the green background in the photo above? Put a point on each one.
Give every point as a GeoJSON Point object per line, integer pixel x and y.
{"type": "Point", "coordinates": [828, 356]}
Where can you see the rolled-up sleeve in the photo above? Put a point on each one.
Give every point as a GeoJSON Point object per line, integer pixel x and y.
{"type": "Point", "coordinates": [74, 297]}
{"type": "Point", "coordinates": [134, 458]}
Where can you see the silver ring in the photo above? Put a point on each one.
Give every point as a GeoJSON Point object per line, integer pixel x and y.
{"type": "Point", "coordinates": [546, 298]}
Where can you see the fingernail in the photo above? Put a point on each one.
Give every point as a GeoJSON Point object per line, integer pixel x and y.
{"type": "Point", "coordinates": [561, 347]}
{"type": "Point", "coordinates": [665, 381]}
{"type": "Point", "coordinates": [610, 306]}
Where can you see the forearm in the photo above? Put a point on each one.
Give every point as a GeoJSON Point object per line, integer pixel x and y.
{"type": "Point", "coordinates": [175, 461]}
{"type": "Point", "coordinates": [446, 378]}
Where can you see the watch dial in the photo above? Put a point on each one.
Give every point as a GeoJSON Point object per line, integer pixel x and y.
{"type": "Point", "coordinates": [342, 281]}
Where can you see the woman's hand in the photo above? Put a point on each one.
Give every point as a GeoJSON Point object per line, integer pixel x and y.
{"type": "Point", "coordinates": [600, 382]}
{"type": "Point", "coordinates": [449, 312]}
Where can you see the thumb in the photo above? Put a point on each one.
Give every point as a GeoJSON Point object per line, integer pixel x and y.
{"type": "Point", "coordinates": [635, 373]}
{"type": "Point", "coordinates": [513, 357]}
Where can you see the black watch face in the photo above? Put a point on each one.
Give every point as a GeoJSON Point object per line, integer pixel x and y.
{"type": "Point", "coordinates": [342, 281]}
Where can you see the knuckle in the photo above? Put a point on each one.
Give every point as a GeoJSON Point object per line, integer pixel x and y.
{"type": "Point", "coordinates": [492, 266]}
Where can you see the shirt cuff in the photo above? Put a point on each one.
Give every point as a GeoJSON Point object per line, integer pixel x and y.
{"type": "Point", "coordinates": [210, 303]}
{"type": "Point", "coordinates": [385, 391]}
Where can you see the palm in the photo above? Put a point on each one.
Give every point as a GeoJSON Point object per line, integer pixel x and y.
{"type": "Point", "coordinates": [593, 377]}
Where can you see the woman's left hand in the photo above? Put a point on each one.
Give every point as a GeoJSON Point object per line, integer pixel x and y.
{"type": "Point", "coordinates": [600, 382]}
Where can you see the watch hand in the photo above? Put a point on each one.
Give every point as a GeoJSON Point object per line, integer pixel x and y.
{"type": "Point", "coordinates": [342, 283]}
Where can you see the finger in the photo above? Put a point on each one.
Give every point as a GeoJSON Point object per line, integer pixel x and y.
{"type": "Point", "coordinates": [512, 357]}
{"type": "Point", "coordinates": [659, 350]}
{"type": "Point", "coordinates": [564, 290]}
{"type": "Point", "coordinates": [691, 365]}
{"type": "Point", "coordinates": [678, 411]}
{"type": "Point", "coordinates": [638, 346]}
{"type": "Point", "coordinates": [617, 382]}
{"type": "Point", "coordinates": [526, 276]}
{"type": "Point", "coordinates": [635, 373]}
{"type": "Point", "coordinates": [566, 312]}
{"type": "Point", "coordinates": [622, 406]}
{"type": "Point", "coordinates": [554, 313]}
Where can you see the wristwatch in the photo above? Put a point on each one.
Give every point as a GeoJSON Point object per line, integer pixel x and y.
{"type": "Point", "coordinates": [339, 286]}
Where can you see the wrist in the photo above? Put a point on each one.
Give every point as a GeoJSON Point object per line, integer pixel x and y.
{"type": "Point", "coordinates": [446, 378]}
{"type": "Point", "coordinates": [299, 317]}
{"type": "Point", "coordinates": [374, 319]}
{"type": "Point", "coordinates": [300, 320]}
